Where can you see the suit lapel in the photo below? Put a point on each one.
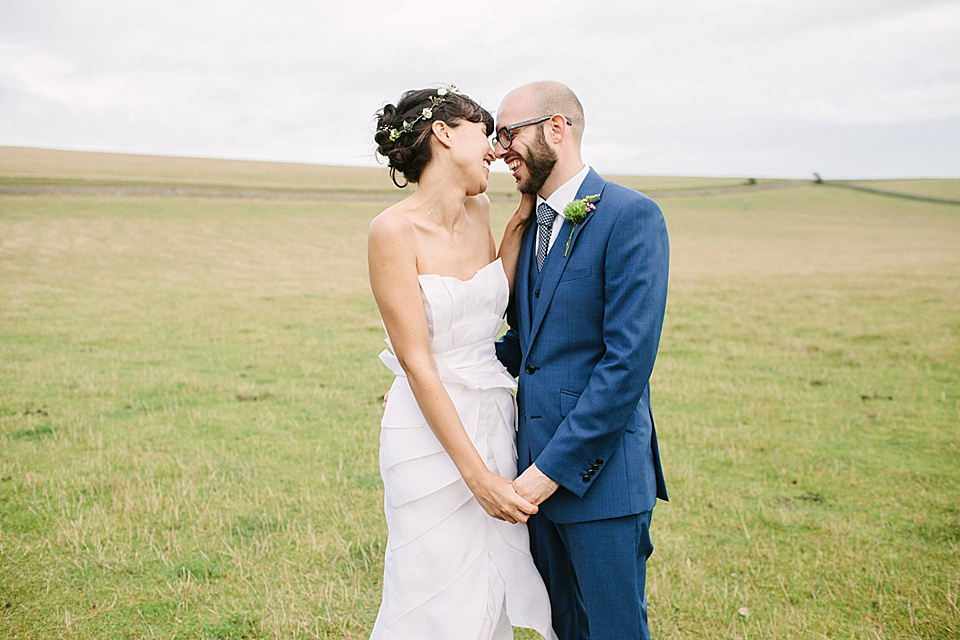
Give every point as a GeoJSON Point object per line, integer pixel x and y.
{"type": "Point", "coordinates": [556, 260]}
{"type": "Point", "coordinates": [550, 276]}
{"type": "Point", "coordinates": [521, 285]}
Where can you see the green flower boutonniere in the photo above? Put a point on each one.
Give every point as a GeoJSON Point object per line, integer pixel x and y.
{"type": "Point", "coordinates": [576, 212]}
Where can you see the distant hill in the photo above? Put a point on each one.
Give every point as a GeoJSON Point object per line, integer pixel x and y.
{"type": "Point", "coordinates": [31, 170]}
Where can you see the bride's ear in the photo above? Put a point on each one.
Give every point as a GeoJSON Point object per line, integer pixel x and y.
{"type": "Point", "coordinates": [442, 132]}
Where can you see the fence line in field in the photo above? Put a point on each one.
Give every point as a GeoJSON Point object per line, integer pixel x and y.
{"type": "Point", "coordinates": [273, 194]}
{"type": "Point", "coordinates": [206, 192]}
{"type": "Point", "coordinates": [894, 194]}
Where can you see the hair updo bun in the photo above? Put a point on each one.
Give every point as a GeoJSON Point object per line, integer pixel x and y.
{"type": "Point", "coordinates": [403, 131]}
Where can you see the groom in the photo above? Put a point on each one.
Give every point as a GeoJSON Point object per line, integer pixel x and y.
{"type": "Point", "coordinates": [585, 325]}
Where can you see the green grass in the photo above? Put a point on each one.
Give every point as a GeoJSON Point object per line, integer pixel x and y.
{"type": "Point", "coordinates": [190, 402]}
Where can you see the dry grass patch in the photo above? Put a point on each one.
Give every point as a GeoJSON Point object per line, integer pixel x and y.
{"type": "Point", "coordinates": [190, 399]}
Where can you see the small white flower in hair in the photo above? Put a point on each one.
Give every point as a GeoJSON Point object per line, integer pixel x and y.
{"type": "Point", "coordinates": [425, 114]}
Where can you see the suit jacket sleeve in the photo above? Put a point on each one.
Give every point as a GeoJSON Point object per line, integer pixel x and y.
{"type": "Point", "coordinates": [508, 347]}
{"type": "Point", "coordinates": [636, 265]}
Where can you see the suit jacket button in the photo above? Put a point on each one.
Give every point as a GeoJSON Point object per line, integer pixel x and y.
{"type": "Point", "coordinates": [585, 478]}
{"type": "Point", "coordinates": [536, 294]}
{"type": "Point", "coordinates": [598, 461]}
{"type": "Point", "coordinates": [531, 369]}
{"type": "Point", "coordinates": [594, 467]}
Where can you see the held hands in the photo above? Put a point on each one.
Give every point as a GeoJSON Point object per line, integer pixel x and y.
{"type": "Point", "coordinates": [499, 499]}
{"type": "Point", "coordinates": [534, 486]}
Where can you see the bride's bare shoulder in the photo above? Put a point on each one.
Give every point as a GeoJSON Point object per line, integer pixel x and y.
{"type": "Point", "coordinates": [391, 241]}
{"type": "Point", "coordinates": [391, 245]}
{"type": "Point", "coordinates": [392, 223]}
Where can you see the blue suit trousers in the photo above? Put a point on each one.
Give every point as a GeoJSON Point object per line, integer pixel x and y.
{"type": "Point", "coordinates": [596, 591]}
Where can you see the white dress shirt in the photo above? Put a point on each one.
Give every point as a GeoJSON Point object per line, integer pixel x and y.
{"type": "Point", "coordinates": [559, 199]}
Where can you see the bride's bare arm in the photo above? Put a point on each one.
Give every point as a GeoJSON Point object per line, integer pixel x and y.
{"type": "Point", "coordinates": [509, 251]}
{"type": "Point", "coordinates": [393, 278]}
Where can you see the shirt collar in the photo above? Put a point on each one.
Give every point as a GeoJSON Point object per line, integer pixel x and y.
{"type": "Point", "coordinates": [566, 193]}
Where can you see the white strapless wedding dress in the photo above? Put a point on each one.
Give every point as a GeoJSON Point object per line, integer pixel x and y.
{"type": "Point", "coordinates": [451, 572]}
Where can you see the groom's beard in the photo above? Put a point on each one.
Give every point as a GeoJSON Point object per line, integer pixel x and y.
{"type": "Point", "coordinates": [540, 161]}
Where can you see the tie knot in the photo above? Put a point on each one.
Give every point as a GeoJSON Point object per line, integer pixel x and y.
{"type": "Point", "coordinates": [545, 214]}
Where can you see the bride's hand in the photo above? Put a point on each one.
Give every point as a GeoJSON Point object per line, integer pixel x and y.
{"type": "Point", "coordinates": [501, 501]}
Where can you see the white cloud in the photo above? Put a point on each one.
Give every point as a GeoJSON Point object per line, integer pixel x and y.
{"type": "Point", "coordinates": [668, 87]}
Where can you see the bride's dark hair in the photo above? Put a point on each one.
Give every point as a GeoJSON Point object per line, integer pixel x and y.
{"type": "Point", "coordinates": [407, 148]}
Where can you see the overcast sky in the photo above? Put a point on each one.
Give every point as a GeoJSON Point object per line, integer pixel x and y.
{"type": "Point", "coordinates": [847, 88]}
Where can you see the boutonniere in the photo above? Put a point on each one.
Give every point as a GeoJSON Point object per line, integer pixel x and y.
{"type": "Point", "coordinates": [576, 212]}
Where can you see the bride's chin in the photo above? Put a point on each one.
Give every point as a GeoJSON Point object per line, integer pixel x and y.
{"type": "Point", "coordinates": [478, 188]}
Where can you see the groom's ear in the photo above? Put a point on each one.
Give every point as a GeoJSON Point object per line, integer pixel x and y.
{"type": "Point", "coordinates": [441, 130]}
{"type": "Point", "coordinates": [557, 128]}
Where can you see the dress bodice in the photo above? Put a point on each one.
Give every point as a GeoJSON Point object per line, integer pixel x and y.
{"type": "Point", "coordinates": [464, 318]}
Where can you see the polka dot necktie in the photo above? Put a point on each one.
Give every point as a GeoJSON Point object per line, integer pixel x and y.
{"type": "Point", "coordinates": [545, 217]}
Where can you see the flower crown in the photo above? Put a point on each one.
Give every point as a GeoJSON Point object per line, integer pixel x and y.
{"type": "Point", "coordinates": [425, 114]}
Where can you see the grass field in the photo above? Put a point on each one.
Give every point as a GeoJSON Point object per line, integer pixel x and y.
{"type": "Point", "coordinates": [190, 403]}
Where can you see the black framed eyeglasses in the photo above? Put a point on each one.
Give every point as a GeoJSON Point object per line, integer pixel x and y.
{"type": "Point", "coordinates": [505, 134]}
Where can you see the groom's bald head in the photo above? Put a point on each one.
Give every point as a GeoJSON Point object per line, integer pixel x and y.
{"type": "Point", "coordinates": [549, 97]}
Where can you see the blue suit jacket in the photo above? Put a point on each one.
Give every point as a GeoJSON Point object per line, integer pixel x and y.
{"type": "Point", "coordinates": [583, 337]}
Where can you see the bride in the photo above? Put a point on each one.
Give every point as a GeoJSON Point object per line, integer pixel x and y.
{"type": "Point", "coordinates": [457, 563]}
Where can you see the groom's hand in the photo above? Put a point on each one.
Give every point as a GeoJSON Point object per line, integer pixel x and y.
{"type": "Point", "coordinates": [534, 486]}
{"type": "Point", "coordinates": [500, 500]}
